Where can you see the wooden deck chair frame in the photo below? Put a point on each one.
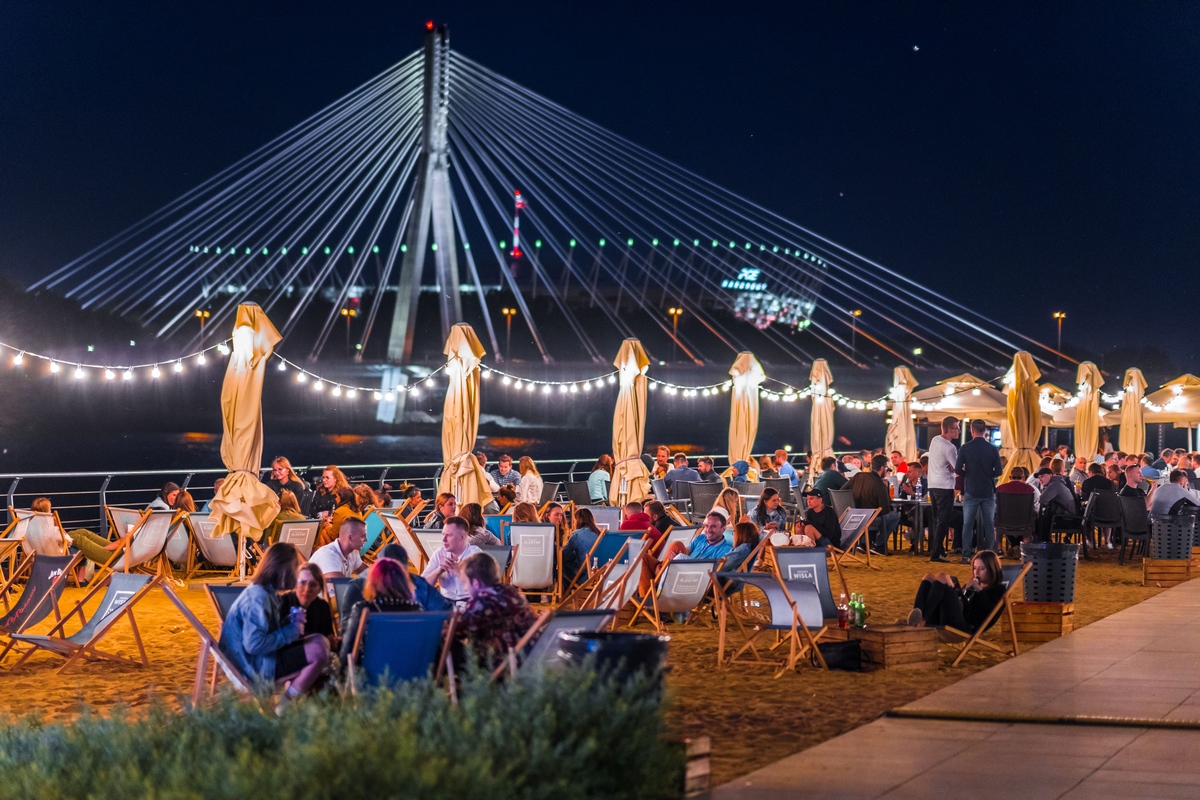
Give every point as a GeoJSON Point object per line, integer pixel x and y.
{"type": "Point", "coordinates": [8, 554]}
{"type": "Point", "coordinates": [417, 557]}
{"type": "Point", "coordinates": [89, 651]}
{"type": "Point", "coordinates": [602, 595]}
{"type": "Point", "coordinates": [829, 551]}
{"type": "Point", "coordinates": [22, 570]}
{"type": "Point", "coordinates": [413, 511]}
{"type": "Point", "coordinates": [208, 649]}
{"type": "Point", "coordinates": [445, 659]}
{"type": "Point", "coordinates": [510, 663]}
{"type": "Point", "coordinates": [802, 641]}
{"type": "Point", "coordinates": [652, 614]}
{"type": "Point", "coordinates": [196, 555]}
{"type": "Point", "coordinates": [308, 523]}
{"type": "Point", "coordinates": [972, 639]}
{"type": "Point", "coordinates": [556, 584]}
{"type": "Point", "coordinates": [597, 576]}
{"type": "Point", "coordinates": [846, 551]}
{"type": "Point", "coordinates": [162, 563]}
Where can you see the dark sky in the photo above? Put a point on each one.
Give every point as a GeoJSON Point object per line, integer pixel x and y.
{"type": "Point", "coordinates": [1027, 157]}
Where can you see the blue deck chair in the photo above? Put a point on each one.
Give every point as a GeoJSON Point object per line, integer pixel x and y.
{"type": "Point", "coordinates": [497, 525]}
{"type": "Point", "coordinates": [795, 617]}
{"type": "Point", "coordinates": [610, 547]}
{"type": "Point", "coordinates": [46, 577]}
{"type": "Point", "coordinates": [399, 647]}
{"type": "Point", "coordinates": [122, 591]}
{"type": "Point", "coordinates": [337, 588]}
{"type": "Point", "coordinates": [375, 529]}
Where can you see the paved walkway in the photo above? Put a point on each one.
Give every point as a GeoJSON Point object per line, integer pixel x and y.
{"type": "Point", "coordinates": [1139, 667]}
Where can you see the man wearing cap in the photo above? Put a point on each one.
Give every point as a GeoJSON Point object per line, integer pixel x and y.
{"type": "Point", "coordinates": [680, 473]}
{"type": "Point", "coordinates": [1055, 498]}
{"type": "Point", "coordinates": [820, 522]}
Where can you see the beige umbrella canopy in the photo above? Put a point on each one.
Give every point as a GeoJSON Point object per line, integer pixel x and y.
{"type": "Point", "coordinates": [630, 480]}
{"type": "Point", "coordinates": [244, 505]}
{"type": "Point", "coordinates": [747, 375]}
{"type": "Point", "coordinates": [902, 434]}
{"type": "Point", "coordinates": [1087, 411]}
{"type": "Point", "coordinates": [1179, 401]}
{"type": "Point", "coordinates": [1024, 413]}
{"type": "Point", "coordinates": [1132, 436]}
{"type": "Point", "coordinates": [462, 475]}
{"type": "Point", "coordinates": [963, 396]}
{"type": "Point", "coordinates": [821, 435]}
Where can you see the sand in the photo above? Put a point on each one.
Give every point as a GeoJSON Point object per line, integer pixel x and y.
{"type": "Point", "coordinates": [752, 718]}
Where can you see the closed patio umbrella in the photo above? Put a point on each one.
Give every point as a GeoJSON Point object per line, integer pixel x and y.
{"type": "Point", "coordinates": [244, 505]}
{"type": "Point", "coordinates": [1087, 410]}
{"type": "Point", "coordinates": [631, 479]}
{"type": "Point", "coordinates": [821, 427]}
{"type": "Point", "coordinates": [902, 434]}
{"type": "Point", "coordinates": [1024, 413]}
{"type": "Point", "coordinates": [743, 409]}
{"type": "Point", "coordinates": [1132, 436]}
{"type": "Point", "coordinates": [462, 475]}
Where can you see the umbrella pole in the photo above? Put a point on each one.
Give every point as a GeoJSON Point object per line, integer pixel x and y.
{"type": "Point", "coordinates": [241, 556]}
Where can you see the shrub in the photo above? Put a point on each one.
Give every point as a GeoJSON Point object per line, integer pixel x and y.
{"type": "Point", "coordinates": [562, 735]}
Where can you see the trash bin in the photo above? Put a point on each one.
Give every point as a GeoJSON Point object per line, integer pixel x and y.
{"type": "Point", "coordinates": [1051, 579]}
{"type": "Point", "coordinates": [622, 655]}
{"type": "Point", "coordinates": [1171, 537]}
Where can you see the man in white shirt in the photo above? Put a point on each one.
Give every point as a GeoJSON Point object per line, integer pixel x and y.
{"type": "Point", "coordinates": [445, 565]}
{"type": "Point", "coordinates": [340, 558]}
{"type": "Point", "coordinates": [942, 457]}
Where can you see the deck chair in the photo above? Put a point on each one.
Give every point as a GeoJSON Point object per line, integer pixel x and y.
{"type": "Point", "coordinates": [145, 548]}
{"type": "Point", "coordinates": [497, 525]}
{"type": "Point", "coordinates": [123, 520]}
{"type": "Point", "coordinates": [301, 533]}
{"type": "Point", "coordinates": [401, 533]}
{"type": "Point", "coordinates": [503, 556]}
{"type": "Point", "coordinates": [410, 515]}
{"type": "Point", "coordinates": [854, 523]}
{"type": "Point", "coordinates": [37, 532]}
{"type": "Point", "coordinates": [811, 564]}
{"type": "Point", "coordinates": [577, 492]}
{"type": "Point", "coordinates": [378, 533]}
{"type": "Point", "coordinates": [620, 580]}
{"type": "Point", "coordinates": [609, 545]}
{"type": "Point", "coordinates": [221, 553]}
{"type": "Point", "coordinates": [222, 599]}
{"type": "Point", "coordinates": [45, 578]}
{"type": "Point", "coordinates": [841, 499]}
{"type": "Point", "coordinates": [336, 589]}
{"type": "Point", "coordinates": [1014, 574]}
{"type": "Point", "coordinates": [430, 539]}
{"type": "Point", "coordinates": [400, 647]}
{"type": "Point", "coordinates": [795, 613]}
{"type": "Point", "coordinates": [679, 588]}
{"type": "Point", "coordinates": [208, 649]}
{"type": "Point", "coordinates": [676, 533]}
{"type": "Point", "coordinates": [122, 591]}
{"type": "Point", "coordinates": [536, 563]}
{"type": "Point", "coordinates": [544, 635]}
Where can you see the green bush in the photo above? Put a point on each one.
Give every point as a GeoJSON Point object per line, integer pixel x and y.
{"type": "Point", "coordinates": [562, 735]}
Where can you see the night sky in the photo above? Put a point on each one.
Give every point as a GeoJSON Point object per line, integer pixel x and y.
{"type": "Point", "coordinates": [1026, 158]}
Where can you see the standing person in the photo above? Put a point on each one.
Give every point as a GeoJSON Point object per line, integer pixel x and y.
{"type": "Point", "coordinates": [784, 467]}
{"type": "Point", "coordinates": [284, 477]}
{"type": "Point", "coordinates": [871, 492]}
{"type": "Point", "coordinates": [529, 488]}
{"type": "Point", "coordinates": [505, 475]}
{"type": "Point", "coordinates": [599, 479]}
{"type": "Point", "coordinates": [445, 565]}
{"type": "Point", "coordinates": [979, 464]}
{"type": "Point", "coordinates": [943, 456]}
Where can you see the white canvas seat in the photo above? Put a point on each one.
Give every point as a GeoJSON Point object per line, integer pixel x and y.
{"type": "Point", "coordinates": [147, 544]}
{"type": "Point", "coordinates": [430, 539]}
{"type": "Point", "coordinates": [677, 533]}
{"type": "Point", "coordinates": [38, 532]}
{"type": "Point", "coordinates": [221, 552]}
{"type": "Point", "coordinates": [795, 616]}
{"type": "Point", "coordinates": [682, 585]}
{"type": "Point", "coordinates": [403, 535]}
{"type": "Point", "coordinates": [124, 519]}
{"type": "Point", "coordinates": [535, 557]}
{"type": "Point", "coordinates": [300, 533]}
{"type": "Point", "coordinates": [621, 583]}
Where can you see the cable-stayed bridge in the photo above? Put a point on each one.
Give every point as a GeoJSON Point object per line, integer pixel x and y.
{"type": "Point", "coordinates": [422, 180]}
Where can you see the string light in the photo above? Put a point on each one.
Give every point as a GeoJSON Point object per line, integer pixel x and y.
{"type": "Point", "coordinates": [54, 367]}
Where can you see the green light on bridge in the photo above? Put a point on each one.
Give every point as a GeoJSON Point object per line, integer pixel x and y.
{"type": "Point", "coordinates": [375, 249]}
{"type": "Point", "coordinates": [265, 251]}
{"type": "Point", "coordinates": [602, 243]}
{"type": "Point", "coordinates": [537, 243]}
{"type": "Point", "coordinates": [629, 242]}
{"type": "Point", "coordinates": [433, 247]}
{"type": "Point", "coordinates": [715, 243]}
{"type": "Point", "coordinates": [571, 243]}
{"type": "Point", "coordinates": [327, 251]}
{"type": "Point", "coordinates": [654, 242]}
{"type": "Point", "coordinates": [503, 244]}
{"type": "Point", "coordinates": [403, 248]}
{"type": "Point", "coordinates": [283, 251]}
{"type": "Point", "coordinates": [303, 251]}
{"type": "Point", "coordinates": [247, 251]}
{"type": "Point", "coordinates": [350, 249]}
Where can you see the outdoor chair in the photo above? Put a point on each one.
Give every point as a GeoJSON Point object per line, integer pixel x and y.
{"type": "Point", "coordinates": [609, 546]}
{"type": "Point", "coordinates": [675, 533]}
{"type": "Point", "coordinates": [577, 492]}
{"type": "Point", "coordinates": [123, 520]}
{"type": "Point", "coordinates": [336, 590]}
{"type": "Point", "coordinates": [38, 532]}
{"type": "Point", "coordinates": [145, 548]}
{"type": "Point", "coordinates": [1105, 511]}
{"type": "Point", "coordinates": [703, 496]}
{"type": "Point", "coordinates": [811, 564]}
{"type": "Point", "coordinates": [221, 553]}
{"type": "Point", "coordinates": [748, 489]}
{"type": "Point", "coordinates": [607, 517]}
{"type": "Point", "coordinates": [842, 499]}
{"type": "Point", "coordinates": [1013, 575]}
{"type": "Point", "coordinates": [300, 533]}
{"type": "Point", "coordinates": [544, 635]}
{"type": "Point", "coordinates": [1067, 526]}
{"type": "Point", "coordinates": [222, 599]}
{"type": "Point", "coordinates": [658, 486]}
{"type": "Point", "coordinates": [854, 522]}
{"type": "Point", "coordinates": [502, 554]}
{"type": "Point", "coordinates": [549, 494]}
{"type": "Point", "coordinates": [378, 533]}
{"type": "Point", "coordinates": [795, 613]}
{"type": "Point", "coordinates": [399, 532]}
{"type": "Point", "coordinates": [497, 525]}
{"type": "Point", "coordinates": [208, 649]}
{"type": "Point", "coordinates": [123, 591]}
{"type": "Point", "coordinates": [430, 539]}
{"type": "Point", "coordinates": [1135, 525]}
{"type": "Point", "coordinates": [619, 581]}
{"type": "Point", "coordinates": [679, 588]}
{"type": "Point", "coordinates": [392, 648]}
{"type": "Point", "coordinates": [45, 578]}
{"type": "Point", "coordinates": [1014, 517]}
{"type": "Point", "coordinates": [784, 487]}
{"type": "Point", "coordinates": [536, 563]}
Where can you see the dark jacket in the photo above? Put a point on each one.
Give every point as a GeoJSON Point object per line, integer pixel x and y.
{"type": "Point", "coordinates": [977, 605]}
{"type": "Point", "coordinates": [979, 465]}
{"type": "Point", "coordinates": [870, 492]}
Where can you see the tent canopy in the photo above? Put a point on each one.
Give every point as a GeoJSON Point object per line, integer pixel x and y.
{"type": "Point", "coordinates": [964, 396]}
{"type": "Point", "coordinates": [1180, 402]}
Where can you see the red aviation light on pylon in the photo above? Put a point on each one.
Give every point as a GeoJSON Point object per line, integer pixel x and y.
{"type": "Point", "coordinates": [429, 25]}
{"type": "Point", "coordinates": [519, 203]}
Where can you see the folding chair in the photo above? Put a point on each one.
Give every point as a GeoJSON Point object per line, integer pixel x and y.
{"type": "Point", "coordinates": [401, 533]}
{"type": "Point", "coordinates": [549, 494]}
{"type": "Point", "coordinates": [430, 539]}
{"type": "Point", "coordinates": [378, 533]}
{"type": "Point", "coordinates": [400, 647]}
{"type": "Point", "coordinates": [122, 521]}
{"type": "Point", "coordinates": [336, 590]}
{"type": "Point", "coordinates": [222, 599]}
{"type": "Point", "coordinates": [795, 612]}
{"type": "Point", "coordinates": [811, 564]}
{"type": "Point", "coordinates": [38, 532]}
{"type": "Point", "coordinates": [842, 500]}
{"type": "Point", "coordinates": [676, 533]}
{"type": "Point", "coordinates": [221, 553]}
{"type": "Point", "coordinates": [609, 547]}
{"type": "Point", "coordinates": [45, 579]}
{"type": "Point", "coordinates": [854, 522]}
{"type": "Point", "coordinates": [503, 556]}
{"type": "Point", "coordinates": [301, 533]}
{"type": "Point", "coordinates": [145, 547]}
{"type": "Point", "coordinates": [544, 635]}
{"type": "Point", "coordinates": [1014, 574]}
{"type": "Point", "coordinates": [536, 561]}
{"type": "Point", "coordinates": [619, 581]}
{"type": "Point", "coordinates": [122, 592]}
{"type": "Point", "coordinates": [208, 649]}
{"type": "Point", "coordinates": [497, 525]}
{"type": "Point", "coordinates": [679, 588]}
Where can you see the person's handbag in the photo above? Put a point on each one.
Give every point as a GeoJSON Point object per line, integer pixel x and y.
{"type": "Point", "coordinates": [845, 656]}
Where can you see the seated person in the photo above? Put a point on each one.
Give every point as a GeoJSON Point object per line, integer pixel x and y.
{"type": "Point", "coordinates": [913, 483]}
{"type": "Point", "coordinates": [660, 521]}
{"type": "Point", "coordinates": [445, 565]}
{"type": "Point", "coordinates": [1017, 483]}
{"type": "Point", "coordinates": [388, 590]}
{"type": "Point", "coordinates": [428, 597]}
{"type": "Point", "coordinates": [770, 515]}
{"type": "Point", "coordinates": [340, 558]}
{"type": "Point", "coordinates": [635, 518]}
{"type": "Point", "coordinates": [582, 540]}
{"type": "Point", "coordinates": [1054, 499]}
{"type": "Point", "coordinates": [745, 540]}
{"type": "Point", "coordinates": [445, 505]}
{"type": "Point", "coordinates": [1171, 497]}
{"type": "Point", "coordinates": [941, 603]}
{"type": "Point", "coordinates": [479, 536]}
{"type": "Point", "coordinates": [871, 492]}
{"type": "Point", "coordinates": [729, 502]}
{"type": "Point", "coordinates": [166, 497]}
{"type": "Point", "coordinates": [1095, 482]}
{"type": "Point", "coordinates": [310, 586]}
{"type": "Point", "coordinates": [525, 512]}
{"type": "Point", "coordinates": [345, 507]}
{"type": "Point", "coordinates": [784, 468]}
{"type": "Point", "coordinates": [506, 496]}
{"type": "Point", "coordinates": [554, 515]}
{"type": "Point", "coordinates": [820, 522]}
{"type": "Point", "coordinates": [1137, 486]}
{"type": "Point", "coordinates": [766, 468]}
{"type": "Point", "coordinates": [704, 468]}
{"type": "Point", "coordinates": [681, 472]}
{"type": "Point", "coordinates": [410, 497]}
{"type": "Point", "coordinates": [830, 478]}
{"type": "Point", "coordinates": [709, 543]}
{"type": "Point", "coordinates": [497, 615]}
{"type": "Point", "coordinates": [599, 479]}
{"type": "Point", "coordinates": [282, 477]}
{"type": "Point", "coordinates": [289, 511]}
{"type": "Point", "coordinates": [207, 507]}
{"type": "Point", "coordinates": [263, 642]}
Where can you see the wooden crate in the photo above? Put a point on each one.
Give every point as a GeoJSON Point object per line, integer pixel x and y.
{"type": "Point", "coordinates": [1196, 560]}
{"type": "Point", "coordinates": [697, 779]}
{"type": "Point", "coordinates": [1166, 572]}
{"type": "Point", "coordinates": [897, 646]}
{"type": "Point", "coordinates": [1040, 622]}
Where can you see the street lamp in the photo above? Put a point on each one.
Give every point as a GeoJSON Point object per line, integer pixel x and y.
{"type": "Point", "coordinates": [1059, 316]}
{"type": "Point", "coordinates": [854, 315]}
{"type": "Point", "coordinates": [917, 355]}
{"type": "Point", "coordinates": [675, 314]}
{"type": "Point", "coordinates": [202, 315]}
{"type": "Point", "coordinates": [508, 313]}
{"type": "Point", "coordinates": [349, 314]}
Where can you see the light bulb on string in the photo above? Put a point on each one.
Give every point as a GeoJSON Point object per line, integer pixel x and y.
{"type": "Point", "coordinates": [222, 349]}
{"type": "Point", "coordinates": [652, 385]}
{"type": "Point", "coordinates": [319, 385]}
{"type": "Point", "coordinates": [505, 380]}
{"type": "Point", "coordinates": [337, 391]}
{"type": "Point", "coordinates": [612, 379]}
{"type": "Point", "coordinates": [587, 386]}
{"type": "Point", "coordinates": [574, 388]}
{"type": "Point", "coordinates": [156, 372]}
{"type": "Point", "coordinates": [54, 367]}
{"type": "Point", "coordinates": [78, 372]}
{"type": "Point", "coordinates": [179, 366]}
{"type": "Point", "coordinates": [389, 397]}
{"type": "Point", "coordinates": [529, 387]}
{"type": "Point", "coordinates": [516, 385]}
{"type": "Point", "coordinates": [416, 393]}
{"type": "Point", "coordinates": [18, 358]}
{"type": "Point", "coordinates": [201, 360]}
{"type": "Point", "coordinates": [109, 375]}
{"type": "Point", "coordinates": [301, 377]}
{"type": "Point", "coordinates": [351, 393]}
{"type": "Point", "coordinates": [128, 375]}
{"type": "Point", "coordinates": [429, 381]}
{"type": "Point", "coordinates": [282, 366]}
{"type": "Point", "coordinates": [562, 388]}
{"type": "Point", "coordinates": [546, 389]}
